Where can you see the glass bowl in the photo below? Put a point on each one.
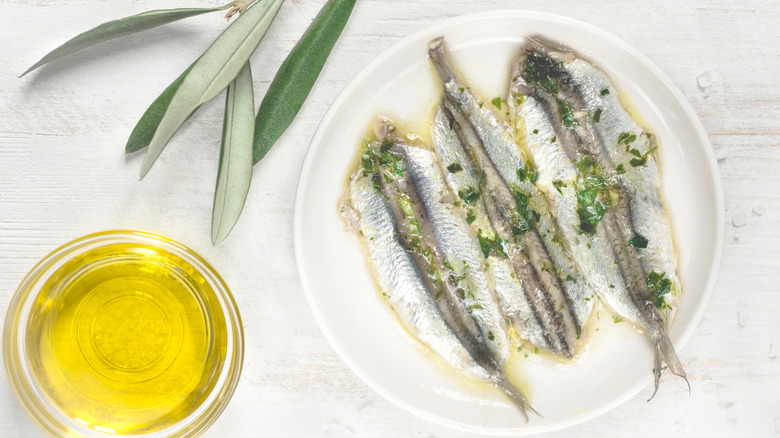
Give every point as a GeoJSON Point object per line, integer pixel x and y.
{"type": "Point", "coordinates": [123, 333]}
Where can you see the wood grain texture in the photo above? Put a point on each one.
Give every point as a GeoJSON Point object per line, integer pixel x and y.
{"type": "Point", "coordinates": [63, 175]}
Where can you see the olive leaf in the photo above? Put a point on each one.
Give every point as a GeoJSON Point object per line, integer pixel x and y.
{"type": "Point", "coordinates": [145, 128]}
{"type": "Point", "coordinates": [297, 75]}
{"type": "Point", "coordinates": [119, 28]}
{"type": "Point", "coordinates": [235, 160]}
{"type": "Point", "coordinates": [212, 73]}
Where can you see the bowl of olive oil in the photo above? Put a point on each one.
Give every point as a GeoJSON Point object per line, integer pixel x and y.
{"type": "Point", "coordinates": [123, 333]}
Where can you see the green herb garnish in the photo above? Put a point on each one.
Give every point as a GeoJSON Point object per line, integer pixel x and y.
{"type": "Point", "coordinates": [496, 102]}
{"type": "Point", "coordinates": [526, 217]}
{"type": "Point", "coordinates": [543, 71]}
{"type": "Point", "coordinates": [592, 201]}
{"type": "Point", "coordinates": [405, 204]}
{"type": "Point", "coordinates": [626, 138]}
{"type": "Point", "coordinates": [567, 116]}
{"type": "Point", "coordinates": [597, 115]}
{"type": "Point", "coordinates": [659, 286]}
{"type": "Point", "coordinates": [527, 172]}
{"type": "Point", "coordinates": [558, 184]}
{"type": "Point", "coordinates": [454, 167]}
{"type": "Point", "coordinates": [640, 158]}
{"type": "Point", "coordinates": [469, 195]}
{"type": "Point", "coordinates": [488, 246]}
{"type": "Point", "coordinates": [638, 241]}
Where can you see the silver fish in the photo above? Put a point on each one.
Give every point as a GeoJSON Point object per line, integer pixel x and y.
{"type": "Point", "coordinates": [431, 230]}
{"type": "Point", "coordinates": [559, 180]}
{"type": "Point", "coordinates": [462, 176]}
{"type": "Point", "coordinates": [638, 224]}
{"type": "Point", "coordinates": [506, 171]}
{"type": "Point", "coordinates": [403, 286]}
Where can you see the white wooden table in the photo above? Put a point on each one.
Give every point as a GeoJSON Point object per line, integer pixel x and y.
{"type": "Point", "coordinates": [63, 174]}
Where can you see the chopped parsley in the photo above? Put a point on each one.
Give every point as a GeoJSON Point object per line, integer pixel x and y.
{"type": "Point", "coordinates": [405, 203]}
{"type": "Point", "coordinates": [526, 217]}
{"type": "Point", "coordinates": [638, 241]}
{"type": "Point", "coordinates": [491, 246]}
{"type": "Point", "coordinates": [539, 69]}
{"type": "Point", "coordinates": [617, 319]}
{"type": "Point", "coordinates": [496, 102]}
{"type": "Point", "coordinates": [558, 184]}
{"type": "Point", "coordinates": [619, 170]}
{"type": "Point", "coordinates": [527, 172]}
{"type": "Point", "coordinates": [369, 162]}
{"type": "Point", "coordinates": [587, 165]}
{"type": "Point", "coordinates": [626, 138]}
{"type": "Point", "coordinates": [570, 278]}
{"type": "Point", "coordinates": [567, 116]}
{"type": "Point", "coordinates": [454, 167]}
{"type": "Point", "coordinates": [469, 195]}
{"type": "Point", "coordinates": [592, 200]}
{"type": "Point", "coordinates": [470, 216]}
{"type": "Point", "coordinates": [659, 286]}
{"type": "Point", "coordinates": [639, 158]}
{"type": "Point", "coordinates": [597, 115]}
{"type": "Point", "coordinates": [535, 131]}
{"type": "Point", "coordinates": [605, 91]}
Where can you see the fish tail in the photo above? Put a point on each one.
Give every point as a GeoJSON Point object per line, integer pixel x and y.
{"type": "Point", "coordinates": [517, 397]}
{"type": "Point", "coordinates": [664, 353]}
{"type": "Point", "coordinates": [437, 54]}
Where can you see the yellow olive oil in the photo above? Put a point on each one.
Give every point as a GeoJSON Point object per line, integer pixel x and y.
{"type": "Point", "coordinates": [122, 339]}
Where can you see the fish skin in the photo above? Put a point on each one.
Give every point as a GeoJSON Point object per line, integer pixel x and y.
{"type": "Point", "coordinates": [530, 262]}
{"type": "Point", "coordinates": [459, 247]}
{"type": "Point", "coordinates": [537, 126]}
{"type": "Point", "coordinates": [511, 297]}
{"type": "Point", "coordinates": [492, 147]}
{"type": "Point", "coordinates": [401, 281]}
{"type": "Point", "coordinates": [473, 317]}
{"type": "Point", "coordinates": [639, 209]}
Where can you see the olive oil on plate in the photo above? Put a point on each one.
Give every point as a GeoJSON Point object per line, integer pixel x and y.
{"type": "Point", "coordinates": [122, 339]}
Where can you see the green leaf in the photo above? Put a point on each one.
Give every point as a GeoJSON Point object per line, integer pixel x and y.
{"type": "Point", "coordinates": [119, 28]}
{"type": "Point", "coordinates": [235, 160]}
{"type": "Point", "coordinates": [145, 128]}
{"type": "Point", "coordinates": [212, 73]}
{"type": "Point", "coordinates": [297, 75]}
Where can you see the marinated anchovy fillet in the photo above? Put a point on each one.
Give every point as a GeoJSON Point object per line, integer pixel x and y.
{"type": "Point", "coordinates": [564, 185]}
{"type": "Point", "coordinates": [463, 178]}
{"type": "Point", "coordinates": [401, 283]}
{"type": "Point", "coordinates": [430, 229]}
{"type": "Point", "coordinates": [509, 180]}
{"type": "Point", "coordinates": [636, 223]}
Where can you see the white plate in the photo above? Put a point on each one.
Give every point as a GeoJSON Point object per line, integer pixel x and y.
{"type": "Point", "coordinates": [336, 278]}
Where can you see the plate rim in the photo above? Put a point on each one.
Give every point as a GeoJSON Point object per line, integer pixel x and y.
{"type": "Point", "coordinates": [440, 26]}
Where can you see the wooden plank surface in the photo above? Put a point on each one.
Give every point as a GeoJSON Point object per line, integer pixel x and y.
{"type": "Point", "coordinates": [63, 175]}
